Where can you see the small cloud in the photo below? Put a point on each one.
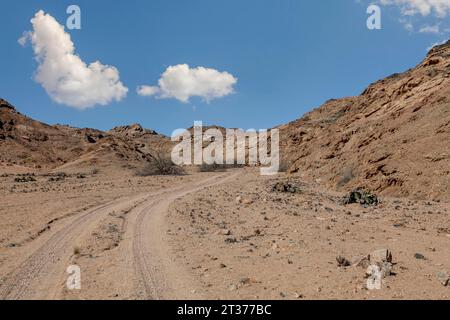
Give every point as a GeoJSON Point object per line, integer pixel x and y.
{"type": "Point", "coordinates": [26, 36]}
{"type": "Point", "coordinates": [147, 91]}
{"type": "Point", "coordinates": [431, 14]}
{"type": "Point", "coordinates": [182, 82]}
{"type": "Point", "coordinates": [423, 7]}
{"type": "Point", "coordinates": [408, 26]}
{"type": "Point", "coordinates": [65, 77]}
{"type": "Point", "coordinates": [430, 29]}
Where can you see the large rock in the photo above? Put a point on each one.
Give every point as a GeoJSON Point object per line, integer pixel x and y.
{"type": "Point", "coordinates": [444, 278]}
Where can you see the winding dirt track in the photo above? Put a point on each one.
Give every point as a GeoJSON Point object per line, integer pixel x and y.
{"type": "Point", "coordinates": [154, 274]}
{"type": "Point", "coordinates": [158, 274]}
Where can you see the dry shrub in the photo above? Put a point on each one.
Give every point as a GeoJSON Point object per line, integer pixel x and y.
{"type": "Point", "coordinates": [160, 165]}
{"type": "Point", "coordinates": [212, 167]}
{"type": "Point", "coordinates": [218, 167]}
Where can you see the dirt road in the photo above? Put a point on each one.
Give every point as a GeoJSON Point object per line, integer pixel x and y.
{"type": "Point", "coordinates": [227, 235]}
{"type": "Point", "coordinates": [139, 265]}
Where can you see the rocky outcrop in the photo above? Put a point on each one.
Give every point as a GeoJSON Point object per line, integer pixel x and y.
{"type": "Point", "coordinates": [5, 104]}
{"type": "Point", "coordinates": [30, 143]}
{"type": "Point", "coordinates": [392, 139]}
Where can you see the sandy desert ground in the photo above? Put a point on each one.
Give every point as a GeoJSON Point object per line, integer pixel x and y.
{"type": "Point", "coordinates": [218, 235]}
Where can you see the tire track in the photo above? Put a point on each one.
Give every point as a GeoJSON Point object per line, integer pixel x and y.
{"type": "Point", "coordinates": [150, 253]}
{"type": "Point", "coordinates": [40, 275]}
{"type": "Point", "coordinates": [42, 269]}
{"type": "Point", "coordinates": [17, 283]}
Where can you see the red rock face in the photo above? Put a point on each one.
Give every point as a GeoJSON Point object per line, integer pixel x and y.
{"type": "Point", "coordinates": [393, 139]}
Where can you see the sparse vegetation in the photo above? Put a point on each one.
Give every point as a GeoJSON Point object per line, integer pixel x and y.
{"type": "Point", "coordinates": [160, 165]}
{"type": "Point", "coordinates": [60, 176]}
{"type": "Point", "coordinates": [25, 179]}
{"type": "Point", "coordinates": [286, 187]}
{"type": "Point", "coordinates": [212, 167]}
{"type": "Point", "coordinates": [362, 197]}
{"type": "Point", "coordinates": [218, 167]}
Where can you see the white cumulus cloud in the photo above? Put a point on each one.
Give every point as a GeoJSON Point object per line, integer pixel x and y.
{"type": "Point", "coordinates": [423, 7]}
{"type": "Point", "coordinates": [66, 78]}
{"type": "Point", "coordinates": [182, 82]}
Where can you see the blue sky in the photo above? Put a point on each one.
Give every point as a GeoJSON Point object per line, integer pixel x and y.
{"type": "Point", "coordinates": [288, 56]}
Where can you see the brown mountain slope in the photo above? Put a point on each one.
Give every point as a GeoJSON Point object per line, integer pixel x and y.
{"type": "Point", "coordinates": [29, 143]}
{"type": "Point", "coordinates": [148, 141]}
{"type": "Point", "coordinates": [394, 138]}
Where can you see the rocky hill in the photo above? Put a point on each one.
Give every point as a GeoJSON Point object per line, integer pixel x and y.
{"type": "Point", "coordinates": [393, 139]}
{"type": "Point", "coordinates": [32, 144]}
